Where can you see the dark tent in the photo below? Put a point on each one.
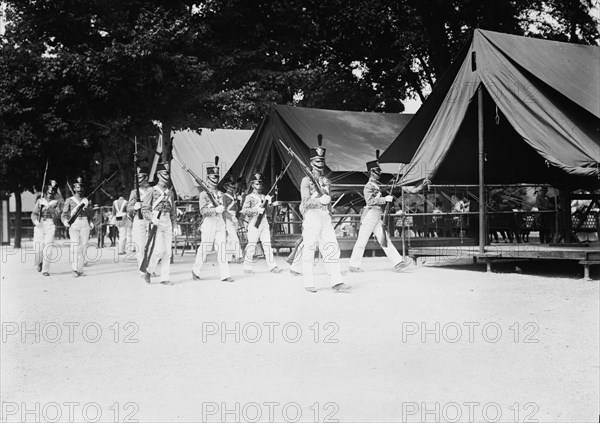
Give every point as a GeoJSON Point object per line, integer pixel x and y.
{"type": "Point", "coordinates": [350, 139]}
{"type": "Point", "coordinates": [542, 92]}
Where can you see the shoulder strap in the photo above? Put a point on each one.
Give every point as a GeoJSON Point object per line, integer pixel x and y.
{"type": "Point", "coordinates": [163, 194]}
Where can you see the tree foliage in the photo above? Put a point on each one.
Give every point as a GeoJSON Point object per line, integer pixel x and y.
{"type": "Point", "coordinates": [80, 78]}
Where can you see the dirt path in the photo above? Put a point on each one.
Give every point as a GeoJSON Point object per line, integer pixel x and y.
{"type": "Point", "coordinates": [431, 343]}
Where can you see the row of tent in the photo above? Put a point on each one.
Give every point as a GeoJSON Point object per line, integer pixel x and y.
{"type": "Point", "coordinates": [541, 124]}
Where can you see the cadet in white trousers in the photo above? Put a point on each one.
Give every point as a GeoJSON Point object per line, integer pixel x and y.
{"type": "Point", "coordinates": [46, 209]}
{"type": "Point", "coordinates": [120, 213]}
{"type": "Point", "coordinates": [213, 230]}
{"type": "Point", "coordinates": [79, 231]}
{"type": "Point", "coordinates": [317, 228]}
{"type": "Point", "coordinates": [371, 220]}
{"type": "Point", "coordinates": [232, 208]}
{"type": "Point", "coordinates": [252, 208]}
{"type": "Point", "coordinates": [139, 230]}
{"type": "Point", "coordinates": [159, 208]}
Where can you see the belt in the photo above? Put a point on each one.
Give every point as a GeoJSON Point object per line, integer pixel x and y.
{"type": "Point", "coordinates": [81, 217]}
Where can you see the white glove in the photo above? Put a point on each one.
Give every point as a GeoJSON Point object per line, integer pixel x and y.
{"type": "Point", "coordinates": [219, 209]}
{"type": "Point", "coordinates": [91, 225]}
{"type": "Point", "coordinates": [137, 206]}
{"type": "Point", "coordinates": [234, 219]}
{"type": "Point", "coordinates": [325, 199]}
{"type": "Point", "coordinates": [176, 230]}
{"type": "Point", "coordinates": [66, 223]}
{"type": "Point", "coordinates": [315, 194]}
{"type": "Point", "coordinates": [276, 203]}
{"type": "Point", "coordinates": [155, 220]}
{"type": "Point", "coordinates": [260, 210]}
{"type": "Point", "coordinates": [52, 203]}
{"type": "Point", "coordinates": [43, 202]}
{"type": "Point", "coordinates": [268, 198]}
{"type": "Point", "coordinates": [35, 222]}
{"type": "Point", "coordinates": [85, 202]}
{"type": "Point", "coordinates": [389, 198]}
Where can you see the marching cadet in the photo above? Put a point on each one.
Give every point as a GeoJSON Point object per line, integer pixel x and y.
{"type": "Point", "coordinates": [158, 208]}
{"type": "Point", "coordinates": [213, 229]}
{"type": "Point", "coordinates": [317, 228]}
{"type": "Point", "coordinates": [253, 207]}
{"type": "Point", "coordinates": [47, 208]}
{"type": "Point", "coordinates": [79, 231]}
{"type": "Point", "coordinates": [371, 222]}
{"type": "Point", "coordinates": [120, 212]}
{"type": "Point", "coordinates": [231, 204]}
{"type": "Point", "coordinates": [139, 231]}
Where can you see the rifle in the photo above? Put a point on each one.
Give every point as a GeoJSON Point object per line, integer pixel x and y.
{"type": "Point", "coordinates": [292, 256]}
{"type": "Point", "coordinates": [202, 185]}
{"type": "Point", "coordinates": [305, 169]}
{"type": "Point", "coordinates": [40, 208]}
{"type": "Point", "coordinates": [386, 212]}
{"type": "Point", "coordinates": [149, 248]}
{"type": "Point", "coordinates": [136, 182]}
{"type": "Point", "coordinates": [81, 206]}
{"type": "Point", "coordinates": [107, 194]}
{"type": "Point", "coordinates": [260, 216]}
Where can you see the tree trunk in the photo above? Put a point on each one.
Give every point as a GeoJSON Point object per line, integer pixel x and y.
{"type": "Point", "coordinates": [18, 213]}
{"type": "Point", "coordinates": [433, 15]}
{"type": "Point", "coordinates": [167, 152]}
{"type": "Point", "coordinates": [427, 72]}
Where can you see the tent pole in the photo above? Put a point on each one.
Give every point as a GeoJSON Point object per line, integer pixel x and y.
{"type": "Point", "coordinates": [482, 234]}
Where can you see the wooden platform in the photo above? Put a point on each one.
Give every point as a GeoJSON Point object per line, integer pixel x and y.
{"type": "Point", "coordinates": [347, 243]}
{"type": "Point", "coordinates": [586, 254]}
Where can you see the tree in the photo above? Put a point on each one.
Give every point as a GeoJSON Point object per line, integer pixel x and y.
{"type": "Point", "coordinates": [80, 78]}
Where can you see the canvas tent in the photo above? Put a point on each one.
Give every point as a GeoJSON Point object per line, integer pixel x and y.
{"type": "Point", "coordinates": [350, 139]}
{"type": "Point", "coordinates": [198, 150]}
{"type": "Point", "coordinates": [541, 115]}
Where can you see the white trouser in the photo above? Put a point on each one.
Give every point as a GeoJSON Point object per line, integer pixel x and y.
{"type": "Point", "coordinates": [233, 246]}
{"type": "Point", "coordinates": [139, 235]}
{"type": "Point", "coordinates": [162, 248]}
{"type": "Point", "coordinates": [43, 237]}
{"type": "Point", "coordinates": [254, 234]}
{"type": "Point", "coordinates": [371, 223]}
{"type": "Point", "coordinates": [79, 233]}
{"type": "Point", "coordinates": [213, 233]}
{"type": "Point", "coordinates": [317, 229]}
{"type": "Point", "coordinates": [124, 235]}
{"type": "Point", "coordinates": [297, 264]}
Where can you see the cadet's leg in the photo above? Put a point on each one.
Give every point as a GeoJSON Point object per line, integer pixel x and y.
{"type": "Point", "coordinates": [265, 240]}
{"type": "Point", "coordinates": [220, 241]}
{"type": "Point", "coordinates": [330, 251]}
{"type": "Point", "coordinates": [390, 251]}
{"type": "Point", "coordinates": [74, 247]}
{"type": "Point", "coordinates": [297, 264]}
{"type": "Point", "coordinates": [310, 235]}
{"type": "Point", "coordinates": [122, 237]}
{"type": "Point", "coordinates": [84, 237]}
{"type": "Point", "coordinates": [207, 231]}
{"type": "Point", "coordinates": [366, 228]}
{"type": "Point", "coordinates": [156, 252]}
{"type": "Point", "coordinates": [49, 230]}
{"type": "Point", "coordinates": [166, 240]}
{"type": "Point", "coordinates": [38, 243]}
{"type": "Point", "coordinates": [253, 235]}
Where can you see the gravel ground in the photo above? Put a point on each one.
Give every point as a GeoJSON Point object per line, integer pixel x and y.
{"type": "Point", "coordinates": [434, 343]}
